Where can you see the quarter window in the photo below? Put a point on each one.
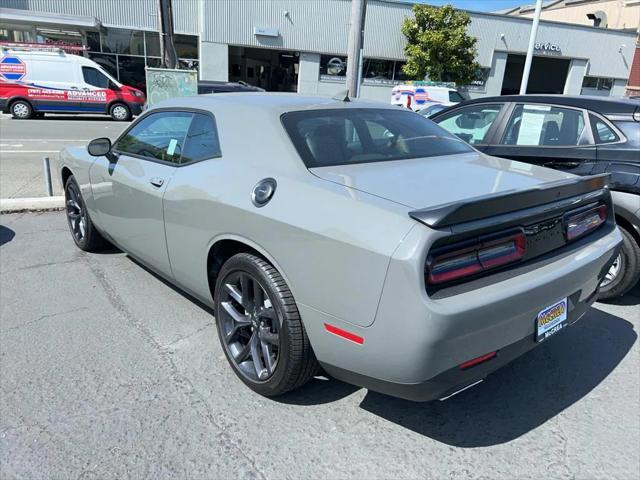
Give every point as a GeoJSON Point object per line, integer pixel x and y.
{"type": "Point", "coordinates": [544, 125]}
{"type": "Point", "coordinates": [472, 123]}
{"type": "Point", "coordinates": [158, 136]}
{"type": "Point", "coordinates": [602, 132]}
{"type": "Point", "coordinates": [94, 77]}
{"type": "Point", "coordinates": [202, 139]}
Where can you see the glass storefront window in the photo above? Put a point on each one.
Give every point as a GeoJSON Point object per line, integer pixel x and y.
{"type": "Point", "coordinates": [186, 46]}
{"type": "Point", "coordinates": [15, 35]}
{"type": "Point", "coordinates": [152, 41]}
{"type": "Point", "coordinates": [153, 62]}
{"type": "Point", "coordinates": [119, 40]}
{"type": "Point", "coordinates": [108, 62]}
{"type": "Point", "coordinates": [333, 65]}
{"type": "Point", "coordinates": [374, 69]}
{"type": "Point", "coordinates": [93, 41]}
{"type": "Point", "coordinates": [398, 74]}
{"type": "Point", "coordinates": [131, 71]}
{"type": "Point", "coordinates": [188, 64]}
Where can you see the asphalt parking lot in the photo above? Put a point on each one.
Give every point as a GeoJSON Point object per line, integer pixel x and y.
{"type": "Point", "coordinates": [23, 143]}
{"type": "Point", "coordinates": [108, 372]}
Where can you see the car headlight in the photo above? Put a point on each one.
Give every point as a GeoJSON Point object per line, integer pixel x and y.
{"type": "Point", "coordinates": [136, 93]}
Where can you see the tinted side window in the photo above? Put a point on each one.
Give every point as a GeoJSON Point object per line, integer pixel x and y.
{"type": "Point", "coordinates": [471, 124]}
{"type": "Point", "coordinates": [94, 77]}
{"type": "Point", "coordinates": [601, 131]}
{"type": "Point", "coordinates": [159, 136]}
{"type": "Point", "coordinates": [544, 125]}
{"type": "Point", "coordinates": [202, 139]}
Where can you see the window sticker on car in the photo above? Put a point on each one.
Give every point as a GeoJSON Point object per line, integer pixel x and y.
{"type": "Point", "coordinates": [538, 108]}
{"type": "Point", "coordinates": [172, 146]}
{"type": "Point", "coordinates": [530, 128]}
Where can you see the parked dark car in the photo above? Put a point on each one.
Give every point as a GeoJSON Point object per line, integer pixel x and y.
{"type": "Point", "coordinates": [578, 134]}
{"type": "Point", "coordinates": [226, 87]}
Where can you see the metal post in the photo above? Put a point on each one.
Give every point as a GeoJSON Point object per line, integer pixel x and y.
{"type": "Point", "coordinates": [356, 40]}
{"type": "Point", "coordinates": [532, 42]}
{"type": "Point", "coordinates": [47, 176]}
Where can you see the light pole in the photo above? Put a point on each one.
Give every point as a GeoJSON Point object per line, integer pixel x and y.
{"type": "Point", "coordinates": [532, 42]}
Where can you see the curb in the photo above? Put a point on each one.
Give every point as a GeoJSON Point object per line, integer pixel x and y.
{"type": "Point", "coordinates": [36, 204]}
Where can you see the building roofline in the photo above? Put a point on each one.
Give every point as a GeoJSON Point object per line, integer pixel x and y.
{"type": "Point", "coordinates": [514, 18]}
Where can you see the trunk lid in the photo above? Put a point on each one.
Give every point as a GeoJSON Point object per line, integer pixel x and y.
{"type": "Point", "coordinates": [427, 182]}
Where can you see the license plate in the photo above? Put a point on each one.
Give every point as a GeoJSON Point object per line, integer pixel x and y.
{"type": "Point", "coordinates": [551, 320]}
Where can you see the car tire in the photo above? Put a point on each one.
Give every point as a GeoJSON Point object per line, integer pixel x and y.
{"type": "Point", "coordinates": [120, 112]}
{"type": "Point", "coordinates": [625, 272]}
{"type": "Point", "coordinates": [82, 229]}
{"type": "Point", "coordinates": [21, 110]}
{"type": "Point", "coordinates": [265, 324]}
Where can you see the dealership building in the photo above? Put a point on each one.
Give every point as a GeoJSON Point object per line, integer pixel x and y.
{"type": "Point", "coordinates": [300, 45]}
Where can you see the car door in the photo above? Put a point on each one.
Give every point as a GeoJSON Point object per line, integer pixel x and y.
{"type": "Point", "coordinates": [475, 124]}
{"type": "Point", "coordinates": [548, 135]}
{"type": "Point", "coordinates": [93, 92]}
{"type": "Point", "coordinates": [129, 185]}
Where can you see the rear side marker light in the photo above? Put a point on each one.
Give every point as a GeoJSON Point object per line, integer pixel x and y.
{"type": "Point", "coordinates": [582, 222]}
{"type": "Point", "coordinates": [464, 260]}
{"type": "Point", "coordinates": [476, 361]}
{"type": "Point", "coordinates": [344, 334]}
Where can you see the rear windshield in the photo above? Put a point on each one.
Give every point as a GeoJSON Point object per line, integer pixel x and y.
{"type": "Point", "coordinates": [361, 135]}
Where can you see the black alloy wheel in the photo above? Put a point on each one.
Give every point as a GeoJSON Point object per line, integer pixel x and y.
{"type": "Point", "coordinates": [76, 212]}
{"type": "Point", "coordinates": [84, 233]}
{"type": "Point", "coordinates": [250, 326]}
{"type": "Point", "coordinates": [260, 328]}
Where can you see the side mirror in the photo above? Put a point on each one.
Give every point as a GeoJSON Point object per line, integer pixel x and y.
{"type": "Point", "coordinates": [99, 147]}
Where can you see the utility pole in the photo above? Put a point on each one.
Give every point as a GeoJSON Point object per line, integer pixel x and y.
{"type": "Point", "coordinates": [356, 42]}
{"type": "Point", "coordinates": [532, 42]}
{"type": "Point", "coordinates": [169, 57]}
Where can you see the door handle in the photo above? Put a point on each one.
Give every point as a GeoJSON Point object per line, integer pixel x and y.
{"type": "Point", "coordinates": [156, 182]}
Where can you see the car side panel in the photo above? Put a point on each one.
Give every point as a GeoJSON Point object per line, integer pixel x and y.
{"type": "Point", "coordinates": [332, 244]}
{"type": "Point", "coordinates": [78, 161]}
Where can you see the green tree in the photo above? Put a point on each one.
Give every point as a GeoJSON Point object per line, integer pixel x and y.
{"type": "Point", "coordinates": [438, 45]}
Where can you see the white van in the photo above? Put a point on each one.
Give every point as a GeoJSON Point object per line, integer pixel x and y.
{"type": "Point", "coordinates": [419, 95]}
{"type": "Point", "coordinates": [35, 81]}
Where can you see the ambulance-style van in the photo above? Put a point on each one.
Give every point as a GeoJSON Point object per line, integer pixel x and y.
{"type": "Point", "coordinates": [35, 81]}
{"type": "Point", "coordinates": [422, 94]}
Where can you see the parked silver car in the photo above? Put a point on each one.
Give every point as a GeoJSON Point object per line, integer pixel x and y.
{"type": "Point", "coordinates": [344, 234]}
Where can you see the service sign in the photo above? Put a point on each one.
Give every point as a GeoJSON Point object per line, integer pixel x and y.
{"type": "Point", "coordinates": [12, 68]}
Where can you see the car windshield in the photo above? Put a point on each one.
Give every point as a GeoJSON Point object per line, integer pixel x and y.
{"type": "Point", "coordinates": [362, 135]}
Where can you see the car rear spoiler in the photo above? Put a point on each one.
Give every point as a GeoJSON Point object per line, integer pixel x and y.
{"type": "Point", "coordinates": [486, 206]}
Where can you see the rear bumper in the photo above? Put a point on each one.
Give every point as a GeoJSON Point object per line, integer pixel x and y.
{"type": "Point", "coordinates": [415, 346]}
{"type": "Point", "coordinates": [455, 379]}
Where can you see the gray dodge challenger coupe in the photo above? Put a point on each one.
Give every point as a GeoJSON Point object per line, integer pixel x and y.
{"type": "Point", "coordinates": [347, 235]}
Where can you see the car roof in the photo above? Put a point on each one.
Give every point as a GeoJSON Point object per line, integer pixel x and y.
{"type": "Point", "coordinates": [272, 102]}
{"type": "Point", "coordinates": [602, 105]}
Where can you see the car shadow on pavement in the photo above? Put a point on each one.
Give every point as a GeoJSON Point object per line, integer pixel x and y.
{"type": "Point", "coordinates": [632, 297]}
{"type": "Point", "coordinates": [6, 235]}
{"type": "Point", "coordinates": [522, 395]}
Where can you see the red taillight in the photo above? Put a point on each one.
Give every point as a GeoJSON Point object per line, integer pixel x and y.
{"type": "Point", "coordinates": [465, 260]}
{"type": "Point", "coordinates": [584, 221]}
{"type": "Point", "coordinates": [476, 361]}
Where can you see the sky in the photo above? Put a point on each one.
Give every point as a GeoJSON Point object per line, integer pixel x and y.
{"type": "Point", "coordinates": [481, 5]}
